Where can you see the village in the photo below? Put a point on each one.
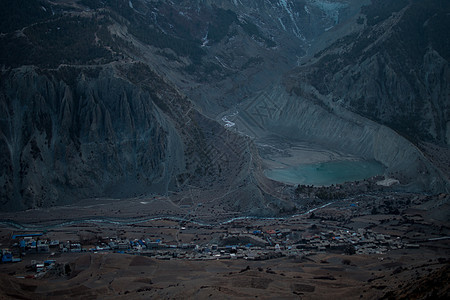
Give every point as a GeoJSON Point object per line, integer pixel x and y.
{"type": "Point", "coordinates": [372, 241]}
{"type": "Point", "coordinates": [228, 243]}
{"type": "Point", "coordinates": [347, 227]}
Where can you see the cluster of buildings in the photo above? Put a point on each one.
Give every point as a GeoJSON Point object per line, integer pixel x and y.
{"type": "Point", "coordinates": [360, 242]}
{"type": "Point", "coordinates": [23, 244]}
{"type": "Point", "coordinates": [235, 243]}
{"type": "Point", "coordinates": [34, 243]}
{"type": "Point", "coordinates": [291, 243]}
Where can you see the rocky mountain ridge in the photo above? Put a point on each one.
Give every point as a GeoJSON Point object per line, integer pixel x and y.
{"type": "Point", "coordinates": [394, 70]}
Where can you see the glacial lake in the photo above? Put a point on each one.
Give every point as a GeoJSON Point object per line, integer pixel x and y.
{"type": "Point", "coordinates": [327, 173]}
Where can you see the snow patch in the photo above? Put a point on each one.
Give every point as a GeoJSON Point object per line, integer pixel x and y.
{"type": "Point", "coordinates": [184, 15]}
{"type": "Point", "coordinates": [222, 64]}
{"type": "Point", "coordinates": [307, 10]}
{"type": "Point", "coordinates": [296, 30]}
{"type": "Point", "coordinates": [282, 25]}
{"type": "Point", "coordinates": [329, 8]}
{"type": "Point", "coordinates": [130, 5]}
{"type": "Point", "coordinates": [205, 40]}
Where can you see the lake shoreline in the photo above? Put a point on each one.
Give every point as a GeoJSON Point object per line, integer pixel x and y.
{"type": "Point", "coordinates": [326, 173]}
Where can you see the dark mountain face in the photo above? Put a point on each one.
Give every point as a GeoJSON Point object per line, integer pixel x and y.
{"type": "Point", "coordinates": [394, 70]}
{"type": "Point", "coordinates": [117, 98]}
{"type": "Point", "coordinates": [72, 133]}
{"type": "Point", "coordinates": [86, 120]}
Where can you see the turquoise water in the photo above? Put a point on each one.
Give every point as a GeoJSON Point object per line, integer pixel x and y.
{"type": "Point", "coordinates": [328, 173]}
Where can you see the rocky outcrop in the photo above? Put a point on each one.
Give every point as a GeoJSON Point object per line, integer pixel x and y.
{"type": "Point", "coordinates": [63, 141]}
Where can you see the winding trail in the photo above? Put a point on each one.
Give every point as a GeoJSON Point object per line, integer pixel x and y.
{"type": "Point", "coordinates": [130, 221]}
{"type": "Point", "coordinates": [105, 220]}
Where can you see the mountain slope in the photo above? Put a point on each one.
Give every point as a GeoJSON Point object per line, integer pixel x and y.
{"type": "Point", "coordinates": [395, 70]}
{"type": "Point", "coordinates": [91, 101]}
{"type": "Point", "coordinates": [119, 98]}
{"type": "Point", "coordinates": [84, 119]}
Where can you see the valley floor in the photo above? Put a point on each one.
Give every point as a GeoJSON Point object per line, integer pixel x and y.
{"type": "Point", "coordinates": [383, 247]}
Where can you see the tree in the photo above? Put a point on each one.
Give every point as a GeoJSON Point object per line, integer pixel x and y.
{"type": "Point", "coordinates": [350, 250]}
